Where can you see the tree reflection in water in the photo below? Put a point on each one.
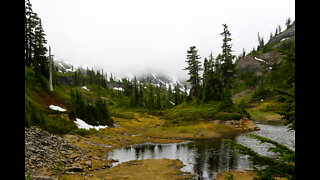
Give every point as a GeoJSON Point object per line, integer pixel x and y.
{"type": "Point", "coordinates": [202, 157]}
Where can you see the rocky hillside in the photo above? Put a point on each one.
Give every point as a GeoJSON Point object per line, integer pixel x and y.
{"type": "Point", "coordinates": [45, 151]}
{"type": "Point", "coordinates": [262, 61]}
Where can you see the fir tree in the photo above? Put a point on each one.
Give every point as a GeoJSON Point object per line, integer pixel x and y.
{"type": "Point", "coordinates": [227, 66]}
{"type": "Point", "coordinates": [194, 66]}
{"type": "Point", "coordinates": [176, 94]}
{"type": "Point", "coordinates": [135, 95]}
{"type": "Point", "coordinates": [288, 22]}
{"type": "Point", "coordinates": [206, 95]}
{"type": "Point", "coordinates": [35, 49]}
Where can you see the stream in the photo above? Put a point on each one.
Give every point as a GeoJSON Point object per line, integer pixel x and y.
{"type": "Point", "coordinates": [206, 158]}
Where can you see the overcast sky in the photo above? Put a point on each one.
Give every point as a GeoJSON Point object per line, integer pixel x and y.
{"type": "Point", "coordinates": [153, 35]}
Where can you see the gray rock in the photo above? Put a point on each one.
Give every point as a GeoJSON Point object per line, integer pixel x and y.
{"type": "Point", "coordinates": [75, 169]}
{"type": "Point", "coordinates": [46, 150]}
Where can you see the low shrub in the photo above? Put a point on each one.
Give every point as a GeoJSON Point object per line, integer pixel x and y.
{"type": "Point", "coordinates": [84, 132]}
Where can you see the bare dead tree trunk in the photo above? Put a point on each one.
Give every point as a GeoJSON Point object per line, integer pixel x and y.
{"type": "Point", "coordinates": [50, 69]}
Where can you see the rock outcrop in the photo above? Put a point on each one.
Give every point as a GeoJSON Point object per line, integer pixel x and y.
{"type": "Point", "coordinates": [45, 151]}
{"type": "Point", "coordinates": [243, 124]}
{"type": "Point", "coordinates": [262, 63]}
{"type": "Point", "coordinates": [291, 31]}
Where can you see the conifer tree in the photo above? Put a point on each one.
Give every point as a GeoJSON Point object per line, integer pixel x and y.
{"type": "Point", "coordinates": [227, 66]}
{"type": "Point", "coordinates": [134, 99]}
{"type": "Point", "coordinates": [35, 49]}
{"type": "Point", "coordinates": [288, 22]}
{"type": "Point", "coordinates": [29, 32]}
{"type": "Point", "coordinates": [217, 84]}
{"type": "Point", "coordinates": [150, 96]}
{"type": "Point", "coordinates": [194, 66]}
{"type": "Point", "coordinates": [158, 97]}
{"type": "Point", "coordinates": [185, 92]}
{"type": "Point", "coordinates": [176, 94]}
{"type": "Point", "coordinates": [206, 95]}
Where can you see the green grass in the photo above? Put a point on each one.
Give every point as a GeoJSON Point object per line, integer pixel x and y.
{"type": "Point", "coordinates": [187, 114]}
{"type": "Point", "coordinates": [257, 115]}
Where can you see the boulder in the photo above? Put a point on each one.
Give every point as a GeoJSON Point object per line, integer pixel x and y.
{"type": "Point", "coordinates": [74, 155]}
{"type": "Point", "coordinates": [75, 169]}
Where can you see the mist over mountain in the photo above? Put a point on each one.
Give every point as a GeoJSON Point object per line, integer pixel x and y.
{"type": "Point", "coordinates": [157, 78]}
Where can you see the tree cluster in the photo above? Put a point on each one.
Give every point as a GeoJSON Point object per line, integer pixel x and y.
{"type": "Point", "coordinates": [218, 74]}
{"type": "Point", "coordinates": [34, 41]}
{"type": "Point", "coordinates": [153, 97]}
{"type": "Point", "coordinates": [94, 114]}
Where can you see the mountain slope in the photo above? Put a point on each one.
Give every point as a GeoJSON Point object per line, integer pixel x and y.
{"type": "Point", "coordinates": [261, 62]}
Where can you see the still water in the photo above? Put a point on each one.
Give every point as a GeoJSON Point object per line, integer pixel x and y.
{"type": "Point", "coordinates": [206, 158]}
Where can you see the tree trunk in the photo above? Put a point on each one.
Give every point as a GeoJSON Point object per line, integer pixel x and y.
{"type": "Point", "coordinates": [50, 70]}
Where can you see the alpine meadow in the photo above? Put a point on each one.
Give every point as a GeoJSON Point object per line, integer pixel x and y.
{"type": "Point", "coordinates": [225, 114]}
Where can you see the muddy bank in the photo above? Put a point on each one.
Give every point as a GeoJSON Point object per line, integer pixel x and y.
{"type": "Point", "coordinates": [86, 157]}
{"type": "Point", "coordinates": [144, 169]}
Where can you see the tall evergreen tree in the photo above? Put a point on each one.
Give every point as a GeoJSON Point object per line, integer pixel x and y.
{"type": "Point", "coordinates": [150, 96]}
{"type": "Point", "coordinates": [217, 84]}
{"type": "Point", "coordinates": [176, 94]}
{"type": "Point", "coordinates": [158, 97]}
{"type": "Point", "coordinates": [288, 22]}
{"type": "Point", "coordinates": [227, 66]}
{"type": "Point", "coordinates": [135, 93]}
{"type": "Point", "coordinates": [194, 66]}
{"type": "Point", "coordinates": [35, 49]}
{"type": "Point", "coordinates": [206, 95]}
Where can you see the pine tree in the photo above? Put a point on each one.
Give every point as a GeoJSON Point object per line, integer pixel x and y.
{"type": "Point", "coordinates": [217, 81]}
{"type": "Point", "coordinates": [150, 96]}
{"type": "Point", "coordinates": [135, 93]}
{"type": "Point", "coordinates": [288, 22]}
{"type": "Point", "coordinates": [29, 32]}
{"type": "Point", "coordinates": [227, 68]}
{"type": "Point", "coordinates": [260, 41]}
{"type": "Point", "coordinates": [206, 95]}
{"type": "Point", "coordinates": [194, 66]}
{"type": "Point", "coordinates": [279, 28]}
{"type": "Point", "coordinates": [158, 97]}
{"type": "Point", "coordinates": [35, 49]}
{"type": "Point", "coordinates": [176, 94]}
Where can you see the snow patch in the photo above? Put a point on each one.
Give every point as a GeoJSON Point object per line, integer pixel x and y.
{"type": "Point", "coordinates": [57, 108]}
{"type": "Point", "coordinates": [258, 59]}
{"type": "Point", "coordinates": [118, 89]}
{"type": "Point", "coordinates": [284, 39]}
{"type": "Point", "coordinates": [85, 87]}
{"type": "Point", "coordinates": [83, 125]}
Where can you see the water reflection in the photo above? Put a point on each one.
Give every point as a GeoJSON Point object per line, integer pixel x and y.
{"type": "Point", "coordinates": [206, 158]}
{"type": "Point", "coordinates": [203, 157]}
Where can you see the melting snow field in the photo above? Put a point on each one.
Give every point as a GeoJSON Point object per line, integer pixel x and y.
{"type": "Point", "coordinates": [85, 87]}
{"type": "Point", "coordinates": [258, 59]}
{"type": "Point", "coordinates": [56, 108]}
{"type": "Point", "coordinates": [118, 89]}
{"type": "Point", "coordinates": [83, 125]}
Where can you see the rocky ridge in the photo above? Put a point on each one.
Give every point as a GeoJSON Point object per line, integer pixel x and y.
{"type": "Point", "coordinates": [261, 63]}
{"type": "Point", "coordinates": [45, 152]}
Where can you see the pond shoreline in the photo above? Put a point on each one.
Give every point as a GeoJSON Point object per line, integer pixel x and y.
{"type": "Point", "coordinates": [97, 145]}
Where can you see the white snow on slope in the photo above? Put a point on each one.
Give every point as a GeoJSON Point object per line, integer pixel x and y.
{"type": "Point", "coordinates": [118, 89]}
{"type": "Point", "coordinates": [83, 125]}
{"type": "Point", "coordinates": [284, 39]}
{"type": "Point", "coordinates": [258, 59]}
{"type": "Point", "coordinates": [57, 108]}
{"type": "Point", "coordinates": [85, 87]}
